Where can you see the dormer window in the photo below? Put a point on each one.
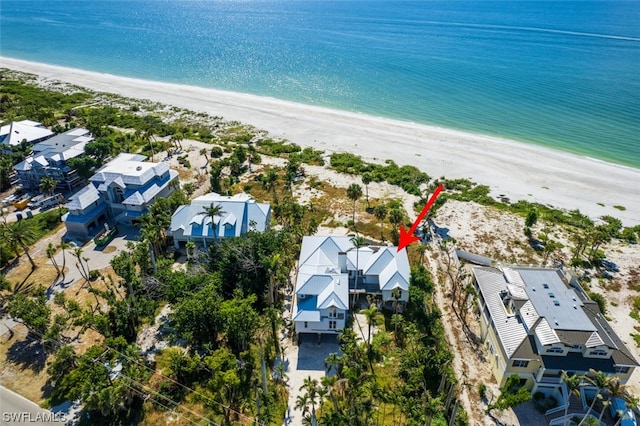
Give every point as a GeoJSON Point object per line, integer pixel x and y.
{"type": "Point", "coordinates": [598, 352]}
{"type": "Point", "coordinates": [555, 350]}
{"type": "Point", "coordinates": [332, 312]}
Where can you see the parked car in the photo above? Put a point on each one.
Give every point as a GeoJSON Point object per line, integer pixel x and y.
{"type": "Point", "coordinates": [619, 410]}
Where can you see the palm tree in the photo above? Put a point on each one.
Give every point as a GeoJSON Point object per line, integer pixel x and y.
{"type": "Point", "coordinates": [572, 384]}
{"type": "Point", "coordinates": [380, 212]}
{"type": "Point", "coordinates": [203, 152]}
{"type": "Point", "coordinates": [366, 180]}
{"type": "Point", "coordinates": [357, 243]}
{"type": "Point", "coordinates": [19, 234]}
{"type": "Point", "coordinates": [600, 381]}
{"type": "Point", "coordinates": [51, 251]}
{"type": "Point", "coordinates": [395, 217]}
{"type": "Point", "coordinates": [370, 313]}
{"type": "Point", "coordinates": [310, 397]}
{"type": "Point", "coordinates": [354, 193]}
{"type": "Point", "coordinates": [212, 211]}
{"type": "Point", "coordinates": [270, 183]}
{"type": "Point", "coordinates": [48, 185]}
{"type": "Point", "coordinates": [63, 246]}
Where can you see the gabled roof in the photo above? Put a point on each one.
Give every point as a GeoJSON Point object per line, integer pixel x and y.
{"type": "Point", "coordinates": [239, 212]}
{"type": "Point", "coordinates": [336, 294]}
{"type": "Point", "coordinates": [15, 132]}
{"type": "Point", "coordinates": [329, 245]}
{"type": "Point", "coordinates": [552, 311]}
{"type": "Point", "coordinates": [378, 262]}
{"type": "Point", "coordinates": [83, 198]}
{"type": "Point", "coordinates": [313, 284]}
{"type": "Point", "coordinates": [510, 330]}
{"type": "Point", "coordinates": [545, 334]}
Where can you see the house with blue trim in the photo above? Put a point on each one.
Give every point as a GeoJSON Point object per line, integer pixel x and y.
{"type": "Point", "coordinates": [49, 159]}
{"type": "Point", "coordinates": [119, 192]}
{"type": "Point", "coordinates": [331, 268]}
{"type": "Point", "coordinates": [239, 214]}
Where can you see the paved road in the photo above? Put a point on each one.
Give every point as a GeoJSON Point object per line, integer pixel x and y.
{"type": "Point", "coordinates": [15, 410]}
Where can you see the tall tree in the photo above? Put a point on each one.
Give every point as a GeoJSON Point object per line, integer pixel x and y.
{"type": "Point", "coordinates": [380, 212]}
{"type": "Point", "coordinates": [212, 211]}
{"type": "Point", "coordinates": [358, 242]}
{"type": "Point", "coordinates": [366, 180]}
{"type": "Point", "coordinates": [354, 193]}
{"type": "Point", "coordinates": [600, 381]}
{"type": "Point", "coordinates": [572, 383]}
{"type": "Point", "coordinates": [19, 234]}
{"type": "Point", "coordinates": [270, 183]}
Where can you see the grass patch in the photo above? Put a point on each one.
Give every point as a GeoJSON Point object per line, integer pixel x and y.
{"type": "Point", "coordinates": [621, 208]}
{"type": "Point", "coordinates": [636, 338]}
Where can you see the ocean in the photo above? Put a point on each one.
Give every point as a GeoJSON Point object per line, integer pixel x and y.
{"type": "Point", "coordinates": [564, 74]}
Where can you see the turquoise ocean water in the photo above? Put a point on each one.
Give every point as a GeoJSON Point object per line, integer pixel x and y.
{"type": "Point", "coordinates": [565, 74]}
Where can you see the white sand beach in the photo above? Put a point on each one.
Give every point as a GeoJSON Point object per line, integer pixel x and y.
{"type": "Point", "coordinates": [517, 170]}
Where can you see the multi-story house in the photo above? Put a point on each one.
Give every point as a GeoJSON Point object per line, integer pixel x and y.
{"type": "Point", "coordinates": [49, 159]}
{"type": "Point", "coordinates": [25, 131]}
{"type": "Point", "coordinates": [331, 269]}
{"type": "Point", "coordinates": [538, 322]}
{"type": "Point", "coordinates": [120, 192]}
{"type": "Point", "coordinates": [238, 214]}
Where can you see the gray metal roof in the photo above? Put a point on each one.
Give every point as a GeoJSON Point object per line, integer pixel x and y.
{"type": "Point", "coordinates": [554, 300]}
{"type": "Point", "coordinates": [511, 331]}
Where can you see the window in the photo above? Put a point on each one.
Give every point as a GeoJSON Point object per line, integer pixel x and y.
{"type": "Point", "coordinates": [555, 350]}
{"type": "Point", "coordinates": [305, 324]}
{"type": "Point", "coordinates": [332, 324]}
{"type": "Point", "coordinates": [332, 312]}
{"type": "Point", "coordinates": [620, 369]}
{"type": "Point", "coordinates": [520, 363]}
{"type": "Point", "coordinates": [598, 352]}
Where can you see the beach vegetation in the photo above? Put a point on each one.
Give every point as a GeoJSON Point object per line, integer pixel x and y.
{"type": "Point", "coordinates": [511, 395]}
{"type": "Point", "coordinates": [621, 208]}
{"type": "Point", "coordinates": [21, 101]}
{"type": "Point", "coordinates": [275, 148]}
{"type": "Point", "coordinates": [408, 178]}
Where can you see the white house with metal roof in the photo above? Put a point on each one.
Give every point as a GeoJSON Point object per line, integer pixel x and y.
{"type": "Point", "coordinates": [120, 191]}
{"type": "Point", "coordinates": [49, 159]}
{"type": "Point", "coordinates": [331, 268]}
{"type": "Point", "coordinates": [25, 131]}
{"type": "Point", "coordinates": [239, 214]}
{"type": "Point", "coordinates": [538, 322]}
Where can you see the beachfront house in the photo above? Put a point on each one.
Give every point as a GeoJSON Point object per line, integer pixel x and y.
{"type": "Point", "coordinates": [120, 192]}
{"type": "Point", "coordinates": [236, 215]}
{"type": "Point", "coordinates": [331, 269]}
{"type": "Point", "coordinates": [49, 159]}
{"type": "Point", "coordinates": [25, 131]}
{"type": "Point", "coordinates": [538, 322]}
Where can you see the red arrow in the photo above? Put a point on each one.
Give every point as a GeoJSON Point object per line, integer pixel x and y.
{"type": "Point", "coordinates": [407, 238]}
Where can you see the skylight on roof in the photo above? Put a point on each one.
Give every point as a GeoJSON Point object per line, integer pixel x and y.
{"type": "Point", "coordinates": [551, 295]}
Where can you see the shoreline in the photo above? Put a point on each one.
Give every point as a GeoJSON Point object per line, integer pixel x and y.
{"type": "Point", "coordinates": [515, 169]}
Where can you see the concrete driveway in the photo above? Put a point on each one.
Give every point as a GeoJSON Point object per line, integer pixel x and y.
{"type": "Point", "coordinates": [303, 361]}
